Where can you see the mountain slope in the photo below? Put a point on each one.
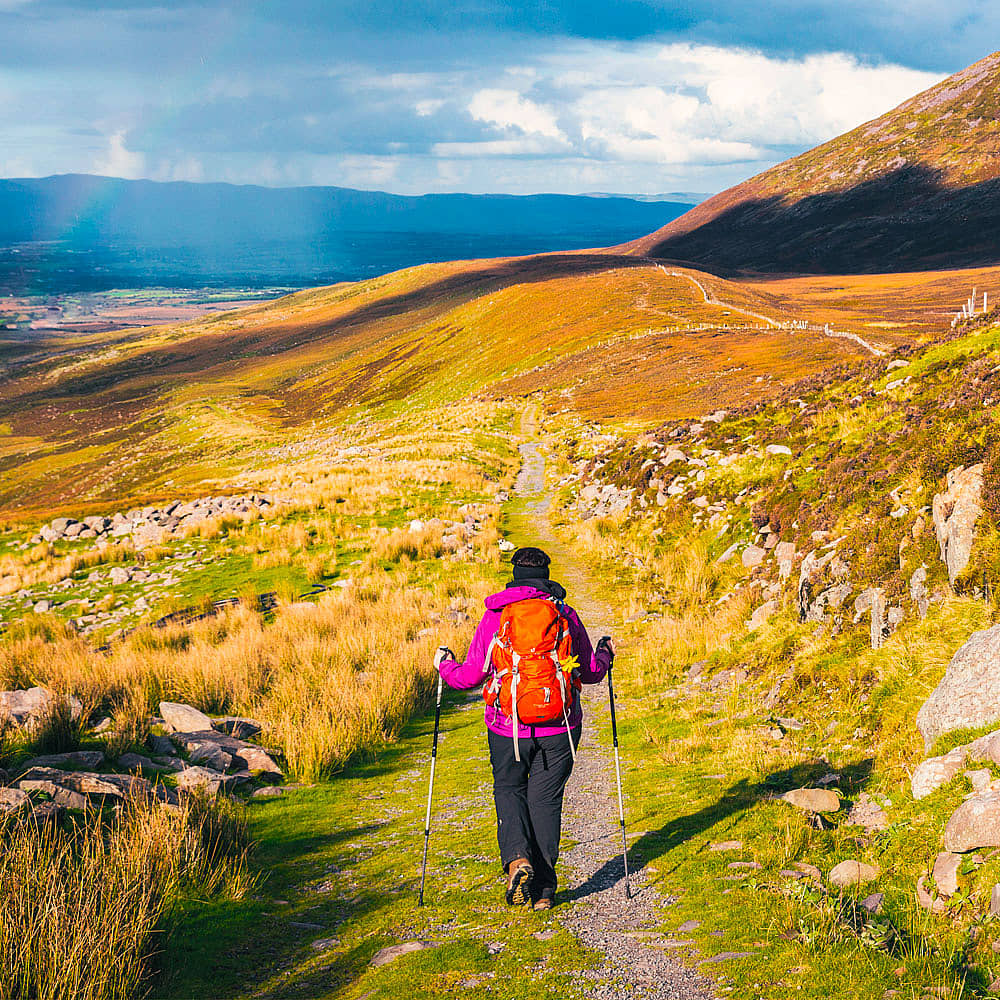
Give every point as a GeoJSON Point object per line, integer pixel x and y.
{"type": "Point", "coordinates": [918, 188]}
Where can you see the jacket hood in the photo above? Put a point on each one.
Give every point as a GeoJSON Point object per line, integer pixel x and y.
{"type": "Point", "coordinates": [524, 590]}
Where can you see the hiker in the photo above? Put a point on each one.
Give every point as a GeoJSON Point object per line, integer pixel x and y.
{"type": "Point", "coordinates": [529, 626]}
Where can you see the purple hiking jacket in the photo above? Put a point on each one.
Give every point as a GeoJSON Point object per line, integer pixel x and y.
{"type": "Point", "coordinates": [474, 671]}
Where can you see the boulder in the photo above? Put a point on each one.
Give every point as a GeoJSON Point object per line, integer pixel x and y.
{"type": "Point", "coordinates": [211, 755]}
{"type": "Point", "coordinates": [955, 513]}
{"type": "Point", "coordinates": [202, 779]}
{"type": "Point", "coordinates": [24, 706]}
{"type": "Point", "coordinates": [753, 555]}
{"type": "Point", "coordinates": [778, 449]}
{"type": "Point", "coordinates": [974, 824]}
{"type": "Point", "coordinates": [242, 729]}
{"type": "Point", "coordinates": [64, 797]}
{"type": "Point", "coordinates": [81, 760]}
{"type": "Point", "coordinates": [926, 900]}
{"type": "Point", "coordinates": [986, 748]}
{"type": "Point", "coordinates": [120, 575]}
{"type": "Point", "coordinates": [84, 782]}
{"type": "Point", "coordinates": [851, 873]}
{"type": "Point", "coordinates": [946, 867]}
{"type": "Point", "coordinates": [184, 718]}
{"type": "Point", "coordinates": [934, 772]}
{"type": "Point", "coordinates": [918, 591]}
{"type": "Point", "coordinates": [868, 813]}
{"type": "Point", "coordinates": [12, 800]}
{"type": "Point", "coordinates": [762, 614]}
{"type": "Point", "coordinates": [784, 552]}
{"type": "Point", "coordinates": [137, 762]}
{"type": "Point", "coordinates": [819, 800]}
{"type": "Point", "coordinates": [969, 693]}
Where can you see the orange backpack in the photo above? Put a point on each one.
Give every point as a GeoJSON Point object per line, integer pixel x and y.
{"type": "Point", "coordinates": [532, 680]}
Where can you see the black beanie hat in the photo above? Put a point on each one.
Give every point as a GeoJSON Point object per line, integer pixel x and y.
{"type": "Point", "coordinates": [530, 564]}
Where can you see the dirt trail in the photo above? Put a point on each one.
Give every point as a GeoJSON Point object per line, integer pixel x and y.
{"type": "Point", "coordinates": [826, 329]}
{"type": "Point", "coordinates": [636, 966]}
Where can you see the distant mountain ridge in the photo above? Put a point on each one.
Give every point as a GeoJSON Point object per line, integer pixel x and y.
{"type": "Point", "coordinates": [918, 188]}
{"type": "Point", "coordinates": [149, 232]}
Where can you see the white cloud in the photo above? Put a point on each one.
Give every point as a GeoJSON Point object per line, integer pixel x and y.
{"type": "Point", "coordinates": [509, 109]}
{"type": "Point", "coordinates": [119, 161]}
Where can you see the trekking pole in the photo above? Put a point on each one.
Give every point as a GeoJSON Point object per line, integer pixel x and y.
{"type": "Point", "coordinates": [618, 776]}
{"type": "Point", "coordinates": [430, 788]}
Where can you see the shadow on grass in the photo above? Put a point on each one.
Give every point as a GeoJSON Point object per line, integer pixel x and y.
{"type": "Point", "coordinates": [736, 799]}
{"type": "Point", "coordinates": [232, 948]}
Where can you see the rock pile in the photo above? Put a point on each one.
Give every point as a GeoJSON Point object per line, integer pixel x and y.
{"type": "Point", "coordinates": [195, 753]}
{"type": "Point", "coordinates": [151, 525]}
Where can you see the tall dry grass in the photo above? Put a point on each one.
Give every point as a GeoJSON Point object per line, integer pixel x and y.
{"type": "Point", "coordinates": [327, 680]}
{"type": "Point", "coordinates": [80, 909]}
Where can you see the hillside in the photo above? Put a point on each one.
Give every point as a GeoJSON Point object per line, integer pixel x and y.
{"type": "Point", "coordinates": [915, 189]}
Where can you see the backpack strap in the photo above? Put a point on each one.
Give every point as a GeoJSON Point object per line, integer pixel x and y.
{"type": "Point", "coordinates": [513, 706]}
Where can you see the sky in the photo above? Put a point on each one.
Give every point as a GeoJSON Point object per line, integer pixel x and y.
{"type": "Point", "coordinates": [623, 96]}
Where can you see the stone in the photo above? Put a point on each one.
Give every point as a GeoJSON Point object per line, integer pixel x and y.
{"type": "Point", "coordinates": [945, 872]}
{"type": "Point", "coordinates": [969, 693]}
{"type": "Point", "coordinates": [955, 512]}
{"type": "Point", "coordinates": [41, 607]}
{"type": "Point", "coordinates": [258, 762]}
{"type": "Point", "coordinates": [726, 956]}
{"type": "Point", "coordinates": [809, 575]}
{"type": "Point", "coordinates": [995, 901]}
{"type": "Point", "coordinates": [974, 824]}
{"type": "Point", "coordinates": [119, 576]}
{"type": "Point", "coordinates": [688, 926]}
{"type": "Point", "coordinates": [918, 591]}
{"type": "Point", "coordinates": [727, 845]}
{"type": "Point", "coordinates": [934, 772]}
{"type": "Point", "coordinates": [136, 762]}
{"type": "Point", "coordinates": [924, 898]}
{"type": "Point", "coordinates": [850, 873]}
{"type": "Point", "coordinates": [980, 780]}
{"type": "Point", "coordinates": [160, 744]}
{"type": "Point", "coordinates": [114, 786]}
{"type": "Point", "coordinates": [866, 812]}
{"type": "Point", "coordinates": [762, 614]}
{"type": "Point", "coordinates": [778, 449]}
{"type": "Point", "coordinates": [241, 728]}
{"type": "Point", "coordinates": [386, 955]}
{"type": "Point", "coordinates": [729, 553]}
{"type": "Point", "coordinates": [64, 797]}
{"type": "Point", "coordinates": [986, 748]}
{"type": "Point", "coordinates": [12, 800]}
{"type": "Point", "coordinates": [211, 755]}
{"type": "Point", "coordinates": [753, 555]}
{"type": "Point", "coordinates": [24, 706]}
{"type": "Point", "coordinates": [873, 902]}
{"type": "Point", "coordinates": [60, 524]}
{"type": "Point", "coordinates": [184, 718]}
{"type": "Point", "coordinates": [268, 792]}
{"type": "Point", "coordinates": [202, 779]}
{"type": "Point", "coordinates": [819, 800]}
{"type": "Point", "coordinates": [84, 760]}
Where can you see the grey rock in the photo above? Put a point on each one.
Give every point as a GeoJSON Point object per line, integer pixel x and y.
{"type": "Point", "coordinates": [136, 761]}
{"type": "Point", "coordinates": [268, 792]}
{"type": "Point", "coordinates": [934, 772]}
{"type": "Point", "coordinates": [753, 555]}
{"type": "Point", "coordinates": [778, 449]}
{"type": "Point", "coordinates": [84, 760]}
{"type": "Point", "coordinates": [762, 614]}
{"type": "Point", "coordinates": [918, 591]}
{"type": "Point", "coordinates": [995, 901]}
{"type": "Point", "coordinates": [41, 607]}
{"type": "Point", "coordinates": [120, 575]}
{"type": "Point", "coordinates": [184, 718]}
{"type": "Point", "coordinates": [873, 902]}
{"type": "Point", "coordinates": [955, 512]}
{"type": "Point", "coordinates": [946, 867]}
{"type": "Point", "coordinates": [986, 748]}
{"type": "Point", "coordinates": [13, 800]}
{"type": "Point", "coordinates": [726, 956]}
{"type": "Point", "coordinates": [64, 797]}
{"type": "Point", "coordinates": [390, 954]}
{"type": "Point", "coordinates": [866, 812]}
{"type": "Point", "coordinates": [23, 706]}
{"type": "Point", "coordinates": [819, 800]}
{"type": "Point", "coordinates": [202, 779]}
{"type": "Point", "coordinates": [969, 693]}
{"type": "Point", "coordinates": [211, 755]}
{"type": "Point", "coordinates": [162, 745]}
{"type": "Point", "coordinates": [851, 873]}
{"type": "Point", "coordinates": [974, 824]}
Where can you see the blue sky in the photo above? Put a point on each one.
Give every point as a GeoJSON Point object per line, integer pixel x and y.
{"type": "Point", "coordinates": [637, 96]}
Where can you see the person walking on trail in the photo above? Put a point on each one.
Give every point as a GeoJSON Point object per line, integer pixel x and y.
{"type": "Point", "coordinates": [531, 653]}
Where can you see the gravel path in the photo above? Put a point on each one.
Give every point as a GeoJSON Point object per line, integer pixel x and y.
{"type": "Point", "coordinates": [593, 906]}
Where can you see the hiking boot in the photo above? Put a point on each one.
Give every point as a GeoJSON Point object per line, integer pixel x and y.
{"type": "Point", "coordinates": [545, 901]}
{"type": "Point", "coordinates": [520, 874]}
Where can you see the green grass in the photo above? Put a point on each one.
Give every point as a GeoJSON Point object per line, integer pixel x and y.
{"type": "Point", "coordinates": [345, 856]}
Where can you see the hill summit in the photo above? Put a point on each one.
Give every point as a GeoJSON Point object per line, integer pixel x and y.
{"type": "Point", "coordinates": [918, 188]}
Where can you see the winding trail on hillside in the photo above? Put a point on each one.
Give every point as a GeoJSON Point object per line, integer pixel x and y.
{"type": "Point", "coordinates": [826, 329]}
{"type": "Point", "coordinates": [636, 965]}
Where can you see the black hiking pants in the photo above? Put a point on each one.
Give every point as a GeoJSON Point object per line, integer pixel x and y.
{"type": "Point", "coordinates": [529, 796]}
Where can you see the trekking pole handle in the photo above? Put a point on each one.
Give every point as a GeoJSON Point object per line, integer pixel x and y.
{"type": "Point", "coordinates": [443, 653]}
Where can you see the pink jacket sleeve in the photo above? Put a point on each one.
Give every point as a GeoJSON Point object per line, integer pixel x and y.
{"type": "Point", "coordinates": [473, 671]}
{"type": "Point", "coordinates": [593, 666]}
